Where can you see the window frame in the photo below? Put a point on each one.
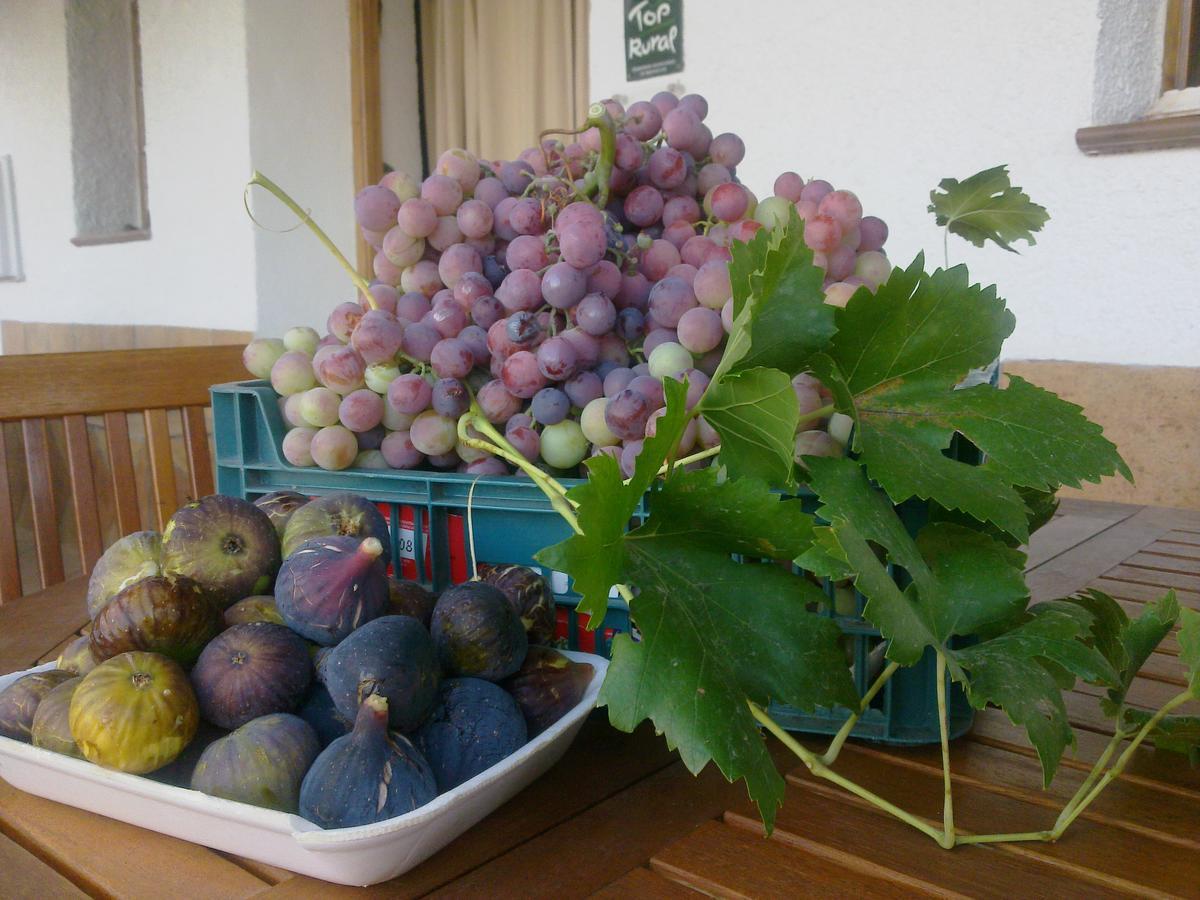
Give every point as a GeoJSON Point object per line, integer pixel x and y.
{"type": "Point", "coordinates": [1157, 130]}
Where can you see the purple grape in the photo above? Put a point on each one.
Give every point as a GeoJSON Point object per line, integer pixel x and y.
{"type": "Point", "coordinates": [617, 380]}
{"type": "Point", "coordinates": [475, 339]}
{"type": "Point", "coordinates": [604, 278]}
{"type": "Point", "coordinates": [670, 299]}
{"type": "Point", "coordinates": [613, 349]}
{"type": "Point", "coordinates": [397, 448]}
{"type": "Point", "coordinates": [474, 219]}
{"type": "Point", "coordinates": [486, 311]}
{"type": "Point", "coordinates": [448, 318]}
{"type": "Point", "coordinates": [523, 328]}
{"type": "Point", "coordinates": [496, 403]}
{"type": "Point", "coordinates": [563, 285]}
{"type": "Point", "coordinates": [450, 397]}
{"type": "Point", "coordinates": [520, 290]}
{"type": "Point", "coordinates": [361, 410]}
{"type": "Point", "coordinates": [470, 288]}
{"type": "Point", "coordinates": [710, 177]}
{"type": "Point", "coordinates": [457, 260]}
{"type": "Point", "coordinates": [515, 176]}
{"type": "Point", "coordinates": [667, 168]}
{"type": "Point", "coordinates": [385, 270]}
{"type": "Point", "coordinates": [587, 348]}
{"type": "Point", "coordinates": [634, 292]}
{"type": "Point", "coordinates": [417, 218]}
{"type": "Point", "coordinates": [385, 296]}
{"type": "Point", "coordinates": [412, 307]}
{"type": "Point", "coordinates": [728, 149]}
{"type": "Point", "coordinates": [452, 358]}
{"type": "Point", "coordinates": [700, 329]}
{"type": "Point", "coordinates": [340, 369]}
{"type": "Point", "coordinates": [650, 388]}
{"type": "Point", "coordinates": [419, 341]}
{"type": "Point", "coordinates": [494, 271]}
{"type": "Point", "coordinates": [697, 384]}
{"type": "Point", "coordinates": [525, 440]}
{"type": "Point", "coordinates": [657, 260]}
{"type": "Point", "coordinates": [448, 460]}
{"type": "Point", "coordinates": [526, 217]}
{"type": "Point", "coordinates": [550, 406]}
{"type": "Point", "coordinates": [489, 465]}
{"type": "Point", "coordinates": [522, 376]}
{"type": "Point", "coordinates": [372, 438]}
{"type": "Point", "coordinates": [410, 394]}
{"type": "Point", "coordinates": [583, 387]}
{"type": "Point", "coordinates": [446, 234]}
{"type": "Point", "coordinates": [517, 421]}
{"type": "Point", "coordinates": [595, 314]}
{"type": "Point", "coordinates": [556, 359]}
{"type": "Point", "coordinates": [526, 251]}
{"type": "Point", "coordinates": [642, 120]}
{"type": "Point", "coordinates": [629, 454]}
{"type": "Point", "coordinates": [626, 414]}
{"type": "Point", "coordinates": [582, 244]}
{"type": "Point", "coordinates": [375, 208]}
{"type": "Point", "coordinates": [378, 336]}
{"type": "Point", "coordinates": [443, 192]}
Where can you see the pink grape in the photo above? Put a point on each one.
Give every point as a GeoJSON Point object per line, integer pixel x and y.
{"type": "Point", "coordinates": [401, 249]}
{"type": "Point", "coordinates": [385, 270]}
{"type": "Point", "coordinates": [681, 209]}
{"type": "Point", "coordinates": [679, 233]}
{"type": "Point", "coordinates": [696, 103]}
{"type": "Point", "coordinates": [595, 314]}
{"type": "Point", "coordinates": [422, 278]}
{"type": "Point", "coordinates": [343, 319]}
{"type": "Point", "coordinates": [664, 102]}
{"type": "Point", "coordinates": [260, 355]}
{"type": "Point", "coordinates": [470, 288]}
{"type": "Point", "coordinates": [699, 250]}
{"type": "Point", "coordinates": [697, 384]}
{"type": "Point", "coordinates": [448, 320]}
{"type": "Point", "coordinates": [711, 285]}
{"type": "Point", "coordinates": [498, 341]}
{"type": "Point", "coordinates": [643, 205]}
{"type": "Point", "coordinates": [604, 278]}
{"type": "Point", "coordinates": [401, 184]}
{"type": "Point", "coordinates": [658, 259]}
{"type": "Point", "coordinates": [650, 388]}
{"type": "Point", "coordinates": [486, 311]}
{"type": "Point", "coordinates": [809, 401]}
{"type": "Point", "coordinates": [501, 223]}
{"type": "Point", "coordinates": [815, 443]}
{"type": "Point", "coordinates": [744, 230]}
{"type": "Point", "coordinates": [452, 358]}
{"type": "Point", "coordinates": [398, 449]}
{"type": "Point", "coordinates": [520, 290]}
{"type": "Point", "coordinates": [412, 307]}
{"type": "Point", "coordinates": [375, 208]}
{"type": "Point", "coordinates": [816, 190]}
{"type": "Point", "coordinates": [297, 446]}
{"type": "Point", "coordinates": [361, 410]}
{"type": "Point", "coordinates": [490, 190]}
{"type": "Point", "coordinates": [556, 359]}
{"type": "Point", "coordinates": [710, 177]}
{"type": "Point", "coordinates": [706, 436]}
{"type": "Point", "coordinates": [583, 243]}
{"type": "Point", "coordinates": [378, 336]}
{"type": "Point", "coordinates": [432, 434]}
{"type": "Point", "coordinates": [456, 261]}
{"type": "Point", "coordinates": [657, 336]}
{"type": "Point", "coordinates": [522, 376]}
{"type": "Point", "coordinates": [729, 202]}
{"type": "Point", "coordinates": [334, 447]}
{"type": "Point", "coordinates": [839, 263]}
{"type": "Point", "coordinates": [489, 465]}
{"type": "Point", "coordinates": [789, 185]}
{"type": "Point", "coordinates": [318, 407]}
{"type": "Point", "coordinates": [385, 296]}
{"type": "Point", "coordinates": [628, 458]}
{"type": "Point", "coordinates": [417, 218]}
{"type": "Point", "coordinates": [727, 316]}
{"type": "Point", "coordinates": [461, 165]}
{"type": "Point", "coordinates": [496, 403]}
{"type": "Point", "coordinates": [583, 387]}
{"type": "Point", "coordinates": [642, 120]}
{"type": "Point", "coordinates": [667, 168]}
{"type": "Point", "coordinates": [526, 217]}
{"type": "Point", "coordinates": [443, 192]}
{"type": "Point", "coordinates": [450, 398]}
{"type": "Point", "coordinates": [873, 233]}
{"type": "Point", "coordinates": [681, 126]}
{"type": "Point", "coordinates": [475, 339]}
{"type": "Point", "coordinates": [526, 251]}
{"type": "Point", "coordinates": [563, 285]}
{"type": "Point", "coordinates": [291, 409]}
{"type": "Point", "coordinates": [617, 380]}
{"type": "Point", "coordinates": [626, 415]}
{"type": "Point", "coordinates": [410, 394]}
{"type": "Point", "coordinates": [419, 341]}
{"type": "Point", "coordinates": [526, 442]}
{"type": "Point", "coordinates": [670, 299]}
{"type": "Point", "coordinates": [822, 233]}
{"type": "Point", "coordinates": [842, 206]}
{"type": "Point", "coordinates": [340, 369]}
{"type": "Point", "coordinates": [587, 348]}
{"type": "Point", "coordinates": [700, 329]}
{"type": "Point", "coordinates": [727, 149]}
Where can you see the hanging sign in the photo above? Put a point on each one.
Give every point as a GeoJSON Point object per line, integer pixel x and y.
{"type": "Point", "coordinates": [653, 38]}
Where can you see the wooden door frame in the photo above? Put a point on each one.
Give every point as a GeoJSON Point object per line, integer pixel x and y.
{"type": "Point", "coordinates": [366, 116]}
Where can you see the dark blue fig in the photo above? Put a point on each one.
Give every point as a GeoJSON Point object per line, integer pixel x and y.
{"type": "Point", "coordinates": [330, 586]}
{"type": "Point", "coordinates": [529, 595]}
{"type": "Point", "coordinates": [249, 671]}
{"type": "Point", "coordinates": [336, 515]}
{"type": "Point", "coordinates": [262, 763]}
{"type": "Point", "coordinates": [392, 656]}
{"type": "Point", "coordinates": [226, 544]}
{"type": "Point", "coordinates": [369, 775]}
{"type": "Point", "coordinates": [320, 712]}
{"type": "Point", "coordinates": [279, 506]}
{"type": "Point", "coordinates": [474, 725]}
{"type": "Point", "coordinates": [547, 686]}
{"type": "Point", "coordinates": [477, 633]}
{"type": "Point", "coordinates": [409, 598]}
{"type": "Point", "coordinates": [19, 701]}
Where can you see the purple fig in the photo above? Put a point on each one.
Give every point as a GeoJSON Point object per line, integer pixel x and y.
{"type": "Point", "coordinates": [369, 775]}
{"type": "Point", "coordinates": [130, 559]}
{"type": "Point", "coordinates": [262, 763]}
{"type": "Point", "coordinates": [409, 598]}
{"type": "Point", "coordinates": [329, 586]}
{"type": "Point", "coordinates": [474, 724]}
{"type": "Point", "coordinates": [529, 595]}
{"type": "Point", "coordinates": [279, 506]}
{"type": "Point", "coordinates": [51, 728]}
{"type": "Point", "coordinates": [19, 701]}
{"type": "Point", "coordinates": [259, 608]}
{"type": "Point", "coordinates": [172, 616]}
{"type": "Point", "coordinates": [547, 686]}
{"type": "Point", "coordinates": [249, 671]}
{"type": "Point", "coordinates": [77, 658]}
{"type": "Point", "coordinates": [226, 544]}
{"type": "Point", "coordinates": [344, 515]}
{"type": "Point", "coordinates": [477, 633]}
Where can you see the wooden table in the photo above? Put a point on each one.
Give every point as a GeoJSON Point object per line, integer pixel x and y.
{"type": "Point", "coordinates": [620, 817]}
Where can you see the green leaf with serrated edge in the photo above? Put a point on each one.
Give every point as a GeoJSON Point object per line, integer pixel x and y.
{"type": "Point", "coordinates": [1008, 671]}
{"type": "Point", "coordinates": [715, 633]}
{"type": "Point", "coordinates": [1178, 734]}
{"type": "Point", "coordinates": [825, 558]}
{"type": "Point", "coordinates": [1189, 647]}
{"type": "Point", "coordinates": [987, 207]}
{"type": "Point", "coordinates": [735, 516]}
{"type": "Point", "coordinates": [594, 559]}
{"type": "Point", "coordinates": [857, 514]}
{"type": "Point", "coordinates": [745, 264]}
{"type": "Point", "coordinates": [1108, 626]}
{"type": "Point", "coordinates": [1139, 638]}
{"type": "Point", "coordinates": [1041, 506]}
{"type": "Point", "coordinates": [755, 412]}
{"type": "Point", "coordinates": [982, 580]}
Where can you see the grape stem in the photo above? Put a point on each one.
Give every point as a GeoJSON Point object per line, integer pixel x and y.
{"type": "Point", "coordinates": [258, 178]}
{"type": "Point", "coordinates": [816, 414]}
{"type": "Point", "coordinates": [947, 838]}
{"type": "Point", "coordinates": [835, 745]}
{"type": "Point", "coordinates": [599, 118]}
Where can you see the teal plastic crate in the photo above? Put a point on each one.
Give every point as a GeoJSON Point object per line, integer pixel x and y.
{"type": "Point", "coordinates": [436, 518]}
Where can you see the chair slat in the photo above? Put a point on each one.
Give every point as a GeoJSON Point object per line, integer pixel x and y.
{"type": "Point", "coordinates": [41, 495]}
{"type": "Point", "coordinates": [83, 490]}
{"type": "Point", "coordinates": [10, 568]}
{"type": "Point", "coordinates": [120, 458]}
{"type": "Point", "coordinates": [162, 466]}
{"type": "Point", "coordinates": [195, 433]}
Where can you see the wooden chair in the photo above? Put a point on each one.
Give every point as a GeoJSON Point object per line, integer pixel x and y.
{"type": "Point", "coordinates": [96, 445]}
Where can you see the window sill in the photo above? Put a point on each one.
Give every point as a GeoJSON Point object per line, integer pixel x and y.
{"type": "Point", "coordinates": [1147, 134]}
{"type": "Point", "coordinates": [120, 237]}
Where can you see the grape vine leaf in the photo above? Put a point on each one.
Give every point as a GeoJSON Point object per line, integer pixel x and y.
{"type": "Point", "coordinates": [1108, 628]}
{"type": "Point", "coordinates": [594, 557]}
{"type": "Point", "coordinates": [755, 412]}
{"type": "Point", "coordinates": [716, 633]}
{"type": "Point", "coordinates": [1189, 647]}
{"type": "Point", "coordinates": [987, 207]}
{"type": "Point", "coordinates": [1178, 734]}
{"type": "Point", "coordinates": [893, 366]}
{"type": "Point", "coordinates": [780, 314]}
{"type": "Point", "coordinates": [1018, 670]}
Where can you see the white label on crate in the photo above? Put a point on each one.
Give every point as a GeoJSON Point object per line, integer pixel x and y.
{"type": "Point", "coordinates": [559, 582]}
{"type": "Point", "coordinates": [407, 539]}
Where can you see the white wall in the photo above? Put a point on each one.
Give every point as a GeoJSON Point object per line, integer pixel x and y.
{"type": "Point", "coordinates": [198, 267]}
{"type": "Point", "coordinates": [887, 99]}
{"type": "Point", "coordinates": [399, 102]}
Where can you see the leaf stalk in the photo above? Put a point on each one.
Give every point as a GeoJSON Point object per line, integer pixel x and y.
{"type": "Point", "coordinates": [835, 746]}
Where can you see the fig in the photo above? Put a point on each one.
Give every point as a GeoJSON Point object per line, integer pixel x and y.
{"type": "Point", "coordinates": [474, 725]}
{"type": "Point", "coordinates": [320, 712]}
{"type": "Point", "coordinates": [130, 559]}
{"type": "Point", "coordinates": [329, 586]}
{"type": "Point", "coordinates": [529, 595]}
{"type": "Point", "coordinates": [366, 776]}
{"type": "Point", "coordinates": [51, 729]}
{"type": "Point", "coordinates": [172, 616]}
{"type": "Point", "coordinates": [135, 712]}
{"type": "Point", "coordinates": [262, 763]}
{"type": "Point", "coordinates": [392, 656]}
{"type": "Point", "coordinates": [279, 506]}
{"type": "Point", "coordinates": [178, 772]}
{"type": "Point", "coordinates": [409, 598]}
{"type": "Point", "coordinates": [226, 544]}
{"type": "Point", "coordinates": [77, 657]}
{"type": "Point", "coordinates": [259, 608]}
{"type": "Point", "coordinates": [19, 701]}
{"type": "Point", "coordinates": [477, 633]}
{"type": "Point", "coordinates": [343, 515]}
{"type": "Point", "coordinates": [546, 686]}
{"type": "Point", "coordinates": [249, 671]}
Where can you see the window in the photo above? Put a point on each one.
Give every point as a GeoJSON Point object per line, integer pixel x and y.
{"type": "Point", "coordinates": [1169, 118]}
{"type": "Point", "coordinates": [108, 148]}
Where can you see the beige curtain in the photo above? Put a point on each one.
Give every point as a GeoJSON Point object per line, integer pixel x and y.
{"type": "Point", "coordinates": [497, 72]}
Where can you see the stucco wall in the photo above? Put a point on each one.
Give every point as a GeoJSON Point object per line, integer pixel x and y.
{"type": "Point", "coordinates": [887, 99]}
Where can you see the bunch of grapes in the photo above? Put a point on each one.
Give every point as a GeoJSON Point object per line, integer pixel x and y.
{"type": "Point", "coordinates": [557, 291]}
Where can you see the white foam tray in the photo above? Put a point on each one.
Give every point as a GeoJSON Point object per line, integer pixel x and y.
{"type": "Point", "coordinates": [363, 855]}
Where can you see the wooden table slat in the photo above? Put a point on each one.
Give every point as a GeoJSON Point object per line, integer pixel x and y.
{"type": "Point", "coordinates": [644, 885]}
{"type": "Point", "coordinates": [32, 626]}
{"type": "Point", "coordinates": [1154, 578]}
{"type": "Point", "coordinates": [25, 877]}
